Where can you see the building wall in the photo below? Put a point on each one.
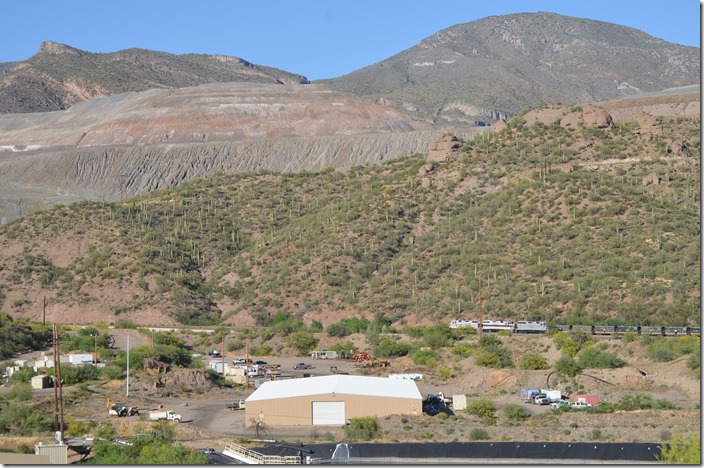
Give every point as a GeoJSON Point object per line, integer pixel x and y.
{"type": "Point", "coordinates": [298, 411]}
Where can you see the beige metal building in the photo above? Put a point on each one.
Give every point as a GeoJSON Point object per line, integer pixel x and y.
{"type": "Point", "coordinates": [330, 400]}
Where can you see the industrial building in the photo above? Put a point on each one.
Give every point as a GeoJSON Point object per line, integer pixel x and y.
{"type": "Point", "coordinates": [330, 400]}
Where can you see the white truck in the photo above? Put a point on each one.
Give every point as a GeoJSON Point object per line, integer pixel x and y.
{"type": "Point", "coordinates": [552, 395]}
{"type": "Point", "coordinates": [169, 415]}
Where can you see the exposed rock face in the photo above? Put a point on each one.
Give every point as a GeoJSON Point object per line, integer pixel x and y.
{"type": "Point", "coordinates": [499, 126]}
{"type": "Point", "coordinates": [569, 118]}
{"type": "Point", "coordinates": [444, 148]}
{"type": "Point", "coordinates": [648, 124]}
{"type": "Point", "coordinates": [651, 179]}
{"type": "Point", "coordinates": [589, 116]}
{"type": "Point", "coordinates": [32, 180]}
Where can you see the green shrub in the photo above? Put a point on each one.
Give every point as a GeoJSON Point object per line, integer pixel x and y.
{"type": "Point", "coordinates": [25, 374]}
{"type": "Point", "coordinates": [303, 342]}
{"type": "Point", "coordinates": [596, 358]}
{"type": "Point", "coordinates": [112, 373]}
{"type": "Point", "coordinates": [390, 347]}
{"type": "Point", "coordinates": [20, 391]}
{"type": "Point", "coordinates": [683, 450]}
{"type": "Point", "coordinates": [340, 329]}
{"type": "Point", "coordinates": [425, 357]}
{"type": "Point", "coordinates": [515, 413]}
{"type": "Point", "coordinates": [533, 361]}
{"type": "Point", "coordinates": [363, 428]}
{"type": "Point", "coordinates": [567, 366]}
{"type": "Point", "coordinates": [125, 323]}
{"type": "Point", "coordinates": [478, 434]}
{"type": "Point", "coordinates": [24, 448]}
{"type": "Point", "coordinates": [463, 349]}
{"type": "Point", "coordinates": [483, 408]}
{"type": "Point", "coordinates": [660, 350]}
{"type": "Point", "coordinates": [629, 337]}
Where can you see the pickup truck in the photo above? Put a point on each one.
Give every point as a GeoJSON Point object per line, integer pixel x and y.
{"type": "Point", "coordinates": [302, 365]}
{"type": "Point", "coordinates": [541, 399]}
{"type": "Point", "coordinates": [579, 405]}
{"type": "Point", "coordinates": [235, 405]}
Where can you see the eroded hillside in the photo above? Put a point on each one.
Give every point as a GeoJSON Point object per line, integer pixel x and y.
{"type": "Point", "coordinates": [540, 221]}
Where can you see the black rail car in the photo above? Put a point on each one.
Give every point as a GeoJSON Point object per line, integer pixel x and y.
{"type": "Point", "coordinates": [626, 329]}
{"type": "Point", "coordinates": [563, 327]}
{"type": "Point", "coordinates": [694, 331]}
{"type": "Point", "coordinates": [588, 329]}
{"type": "Point", "coordinates": [652, 331]}
{"type": "Point", "coordinates": [604, 329]}
{"type": "Point", "coordinates": [675, 331]}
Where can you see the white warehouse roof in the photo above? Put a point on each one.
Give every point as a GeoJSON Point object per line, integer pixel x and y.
{"type": "Point", "coordinates": [341, 384]}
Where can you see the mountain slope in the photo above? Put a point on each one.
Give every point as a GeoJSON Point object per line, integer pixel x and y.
{"type": "Point", "coordinates": [59, 76]}
{"type": "Point", "coordinates": [541, 221]}
{"type": "Point", "coordinates": [486, 69]}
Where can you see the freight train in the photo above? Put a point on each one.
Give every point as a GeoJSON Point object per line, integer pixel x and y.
{"type": "Point", "coordinates": [527, 326]}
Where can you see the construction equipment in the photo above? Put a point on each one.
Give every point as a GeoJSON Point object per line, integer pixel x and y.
{"type": "Point", "coordinates": [374, 363]}
{"type": "Point", "coordinates": [120, 409]}
{"type": "Point", "coordinates": [361, 357]}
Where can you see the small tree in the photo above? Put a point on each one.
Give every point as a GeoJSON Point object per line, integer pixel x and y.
{"type": "Point", "coordinates": [567, 366]}
{"type": "Point", "coordinates": [302, 342]}
{"type": "Point", "coordinates": [515, 413]}
{"type": "Point", "coordinates": [260, 427]}
{"type": "Point", "coordinates": [364, 428]}
{"type": "Point", "coordinates": [682, 450]}
{"type": "Point", "coordinates": [483, 408]}
{"type": "Point", "coordinates": [533, 361]}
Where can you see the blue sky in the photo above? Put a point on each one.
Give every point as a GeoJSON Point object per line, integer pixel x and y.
{"type": "Point", "coordinates": [315, 38]}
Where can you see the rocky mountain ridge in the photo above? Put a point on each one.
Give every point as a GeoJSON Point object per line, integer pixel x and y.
{"type": "Point", "coordinates": [478, 72]}
{"type": "Point", "coordinates": [59, 76]}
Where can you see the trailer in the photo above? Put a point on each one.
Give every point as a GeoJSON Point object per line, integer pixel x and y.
{"type": "Point", "coordinates": [552, 395]}
{"type": "Point", "coordinates": [527, 394]}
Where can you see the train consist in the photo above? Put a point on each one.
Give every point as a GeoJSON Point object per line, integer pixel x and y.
{"type": "Point", "coordinates": [526, 326]}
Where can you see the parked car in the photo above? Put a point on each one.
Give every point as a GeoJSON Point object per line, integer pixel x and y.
{"type": "Point", "coordinates": [260, 363]}
{"type": "Point", "coordinates": [241, 361]}
{"type": "Point", "coordinates": [579, 405]}
{"type": "Point", "coordinates": [559, 404]}
{"type": "Point", "coordinates": [302, 365]}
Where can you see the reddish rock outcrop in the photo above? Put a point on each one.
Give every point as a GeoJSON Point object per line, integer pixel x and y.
{"type": "Point", "coordinates": [444, 148]}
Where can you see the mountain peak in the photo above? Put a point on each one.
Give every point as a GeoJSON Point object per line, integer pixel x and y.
{"type": "Point", "coordinates": [56, 48]}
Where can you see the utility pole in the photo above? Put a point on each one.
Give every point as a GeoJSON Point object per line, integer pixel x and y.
{"type": "Point", "coordinates": [481, 309]}
{"type": "Point", "coordinates": [246, 372]}
{"type": "Point", "coordinates": [44, 312]}
{"type": "Point", "coordinates": [58, 389]}
{"type": "Point", "coordinates": [222, 354]}
{"type": "Point", "coordinates": [128, 365]}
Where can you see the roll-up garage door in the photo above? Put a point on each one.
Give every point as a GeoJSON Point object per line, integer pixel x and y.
{"type": "Point", "coordinates": [328, 413]}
